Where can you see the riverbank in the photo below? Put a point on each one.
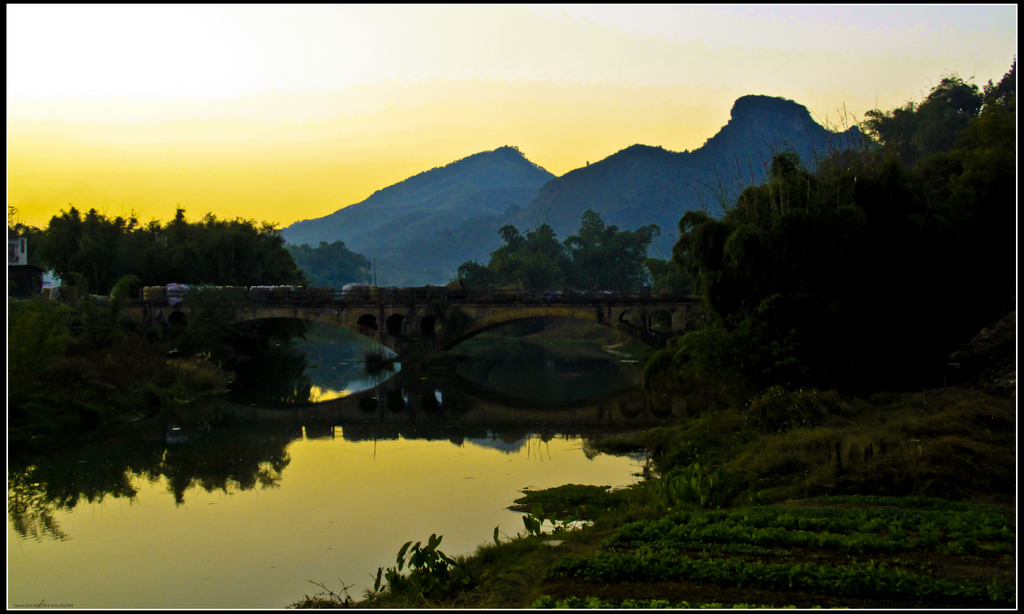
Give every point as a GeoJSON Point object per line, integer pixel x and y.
{"type": "Point", "coordinates": [804, 498]}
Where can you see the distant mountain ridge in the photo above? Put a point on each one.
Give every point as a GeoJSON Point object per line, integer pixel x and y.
{"type": "Point", "coordinates": [419, 230]}
{"type": "Point", "coordinates": [643, 185]}
{"type": "Point", "coordinates": [481, 184]}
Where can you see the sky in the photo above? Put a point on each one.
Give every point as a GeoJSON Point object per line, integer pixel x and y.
{"type": "Point", "coordinates": [279, 113]}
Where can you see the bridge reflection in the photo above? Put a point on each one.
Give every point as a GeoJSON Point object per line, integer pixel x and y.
{"type": "Point", "coordinates": [456, 410]}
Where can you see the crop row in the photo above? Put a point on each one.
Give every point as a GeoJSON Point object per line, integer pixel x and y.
{"type": "Point", "coordinates": [870, 579]}
{"type": "Point", "coordinates": [918, 502]}
{"type": "Point", "coordinates": [843, 529]}
{"type": "Point", "coordinates": [593, 603]}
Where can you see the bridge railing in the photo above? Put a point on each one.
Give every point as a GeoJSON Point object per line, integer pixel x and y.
{"type": "Point", "coordinates": [362, 295]}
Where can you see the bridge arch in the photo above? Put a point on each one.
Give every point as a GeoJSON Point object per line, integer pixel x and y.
{"type": "Point", "coordinates": [368, 320]}
{"type": "Point", "coordinates": [396, 325]}
{"type": "Point", "coordinates": [397, 400]}
{"type": "Point", "coordinates": [632, 317]}
{"type": "Point", "coordinates": [430, 401]}
{"type": "Point", "coordinates": [428, 326]}
{"type": "Point", "coordinates": [661, 321]}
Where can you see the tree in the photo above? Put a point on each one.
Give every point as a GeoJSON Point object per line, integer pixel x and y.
{"type": "Point", "coordinates": [605, 258]}
{"type": "Point", "coordinates": [535, 262]}
{"type": "Point", "coordinates": [598, 258]}
{"type": "Point", "coordinates": [1003, 93]}
{"type": "Point", "coordinates": [668, 277]}
{"type": "Point", "coordinates": [476, 275]}
{"type": "Point", "coordinates": [331, 265]}
{"type": "Point", "coordinates": [913, 132]}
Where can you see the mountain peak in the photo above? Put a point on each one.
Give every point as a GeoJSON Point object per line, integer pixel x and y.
{"type": "Point", "coordinates": [756, 106]}
{"type": "Point", "coordinates": [486, 183]}
{"type": "Point", "coordinates": [507, 156]}
{"type": "Point", "coordinates": [757, 120]}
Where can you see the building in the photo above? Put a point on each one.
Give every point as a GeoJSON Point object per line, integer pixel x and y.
{"type": "Point", "coordinates": [23, 279]}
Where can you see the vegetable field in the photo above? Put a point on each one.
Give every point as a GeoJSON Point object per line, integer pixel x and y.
{"type": "Point", "coordinates": [851, 551]}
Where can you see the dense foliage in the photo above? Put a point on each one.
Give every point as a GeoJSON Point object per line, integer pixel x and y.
{"type": "Point", "coordinates": [331, 265]}
{"type": "Point", "coordinates": [72, 368]}
{"type": "Point", "coordinates": [598, 258]}
{"type": "Point", "coordinates": [80, 365]}
{"type": "Point", "coordinates": [210, 251]}
{"type": "Point", "coordinates": [866, 273]}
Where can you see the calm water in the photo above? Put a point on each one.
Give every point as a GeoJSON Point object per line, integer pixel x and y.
{"type": "Point", "coordinates": [242, 505]}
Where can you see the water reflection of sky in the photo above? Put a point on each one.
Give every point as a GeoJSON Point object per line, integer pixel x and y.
{"type": "Point", "coordinates": [494, 443]}
{"type": "Point", "coordinates": [335, 356]}
{"type": "Point", "coordinates": [533, 444]}
{"type": "Point", "coordinates": [340, 510]}
{"type": "Point", "coordinates": [319, 395]}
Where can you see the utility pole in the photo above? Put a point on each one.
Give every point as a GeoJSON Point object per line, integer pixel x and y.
{"type": "Point", "coordinates": [374, 271]}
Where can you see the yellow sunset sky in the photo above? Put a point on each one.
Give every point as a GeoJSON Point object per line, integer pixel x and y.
{"type": "Point", "coordinates": [286, 112]}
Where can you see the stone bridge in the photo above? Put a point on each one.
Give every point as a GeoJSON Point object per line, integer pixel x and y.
{"type": "Point", "coordinates": [406, 320]}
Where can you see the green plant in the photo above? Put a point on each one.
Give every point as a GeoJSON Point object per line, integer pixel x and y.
{"type": "Point", "coordinates": [431, 571]}
{"type": "Point", "coordinates": [534, 521]}
{"type": "Point", "coordinates": [692, 485]}
{"type": "Point", "coordinates": [849, 530]}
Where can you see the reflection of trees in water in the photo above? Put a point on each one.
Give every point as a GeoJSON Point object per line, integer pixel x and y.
{"type": "Point", "coordinates": [276, 376]}
{"type": "Point", "coordinates": [40, 486]}
{"type": "Point", "coordinates": [50, 482]}
{"type": "Point", "coordinates": [30, 512]}
{"type": "Point", "coordinates": [225, 465]}
{"type": "Point", "coordinates": [269, 366]}
{"type": "Point", "coordinates": [548, 381]}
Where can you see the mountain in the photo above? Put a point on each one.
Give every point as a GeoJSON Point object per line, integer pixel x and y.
{"type": "Point", "coordinates": [643, 185]}
{"type": "Point", "coordinates": [420, 230]}
{"type": "Point", "coordinates": [490, 183]}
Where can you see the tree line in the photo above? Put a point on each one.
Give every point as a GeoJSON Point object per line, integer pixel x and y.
{"type": "Point", "coordinates": [599, 257]}
{"type": "Point", "coordinates": [102, 250]}
{"type": "Point", "coordinates": [97, 251]}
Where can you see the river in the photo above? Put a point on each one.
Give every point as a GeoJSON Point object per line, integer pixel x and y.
{"type": "Point", "coordinates": [238, 503]}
